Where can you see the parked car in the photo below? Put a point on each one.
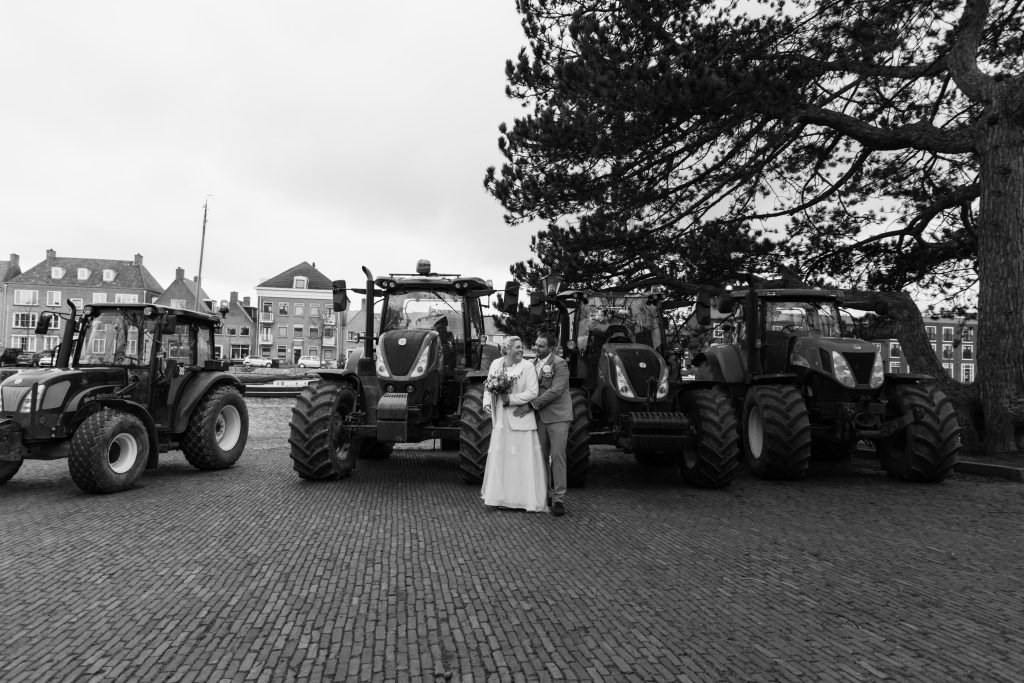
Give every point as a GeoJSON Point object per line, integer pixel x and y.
{"type": "Point", "coordinates": [256, 362]}
{"type": "Point", "coordinates": [47, 359]}
{"type": "Point", "coordinates": [309, 361]}
{"type": "Point", "coordinates": [9, 356]}
{"type": "Point", "coordinates": [27, 358]}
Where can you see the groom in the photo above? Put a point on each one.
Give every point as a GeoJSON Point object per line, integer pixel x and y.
{"type": "Point", "coordinates": [554, 416]}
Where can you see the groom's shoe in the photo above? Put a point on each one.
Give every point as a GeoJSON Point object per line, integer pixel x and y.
{"type": "Point", "coordinates": [558, 508]}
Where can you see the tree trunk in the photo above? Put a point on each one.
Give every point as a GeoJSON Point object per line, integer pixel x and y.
{"type": "Point", "coordinates": [1001, 270]}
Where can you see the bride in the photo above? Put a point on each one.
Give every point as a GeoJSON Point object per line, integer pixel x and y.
{"type": "Point", "coordinates": [514, 474]}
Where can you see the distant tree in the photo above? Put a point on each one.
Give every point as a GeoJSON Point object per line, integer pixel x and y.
{"type": "Point", "coordinates": [875, 144]}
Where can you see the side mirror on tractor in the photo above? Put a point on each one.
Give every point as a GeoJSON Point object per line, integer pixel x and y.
{"type": "Point", "coordinates": [702, 310]}
{"type": "Point", "coordinates": [43, 326]}
{"type": "Point", "coordinates": [169, 324]}
{"type": "Point", "coordinates": [726, 304]}
{"type": "Point", "coordinates": [340, 294]}
{"type": "Point", "coordinates": [510, 300]}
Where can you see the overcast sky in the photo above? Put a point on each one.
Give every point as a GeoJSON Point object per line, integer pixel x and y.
{"type": "Point", "coordinates": [330, 131]}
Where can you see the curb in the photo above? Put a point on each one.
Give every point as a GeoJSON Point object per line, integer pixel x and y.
{"type": "Point", "coordinates": [990, 469]}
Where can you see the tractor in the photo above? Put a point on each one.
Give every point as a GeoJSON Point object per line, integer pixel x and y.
{"type": "Point", "coordinates": [614, 342]}
{"type": "Point", "coordinates": [129, 381]}
{"type": "Point", "coordinates": [805, 390]}
{"type": "Point", "coordinates": [418, 376]}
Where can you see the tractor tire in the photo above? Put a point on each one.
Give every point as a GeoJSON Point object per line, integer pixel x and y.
{"type": "Point", "coordinates": [474, 435]}
{"type": "Point", "coordinates": [928, 449]}
{"type": "Point", "coordinates": [577, 447]}
{"type": "Point", "coordinates": [109, 450]}
{"type": "Point", "coordinates": [371, 449]}
{"type": "Point", "coordinates": [8, 469]}
{"type": "Point", "coordinates": [776, 432]}
{"type": "Point", "coordinates": [319, 451]}
{"type": "Point", "coordinates": [711, 455]}
{"type": "Point", "coordinates": [218, 430]}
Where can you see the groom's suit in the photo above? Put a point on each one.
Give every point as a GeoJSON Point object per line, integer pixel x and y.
{"type": "Point", "coordinates": [554, 417]}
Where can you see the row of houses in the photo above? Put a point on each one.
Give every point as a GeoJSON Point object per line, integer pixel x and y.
{"type": "Point", "coordinates": [292, 316]}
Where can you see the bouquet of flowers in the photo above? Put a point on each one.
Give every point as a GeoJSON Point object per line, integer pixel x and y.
{"type": "Point", "coordinates": [500, 383]}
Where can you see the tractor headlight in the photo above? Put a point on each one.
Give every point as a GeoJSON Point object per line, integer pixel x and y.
{"type": "Point", "coordinates": [382, 367]}
{"type": "Point", "coordinates": [421, 363]}
{"type": "Point", "coordinates": [26, 403]}
{"type": "Point", "coordinates": [877, 372]}
{"type": "Point", "coordinates": [621, 381]}
{"type": "Point", "coordinates": [842, 370]}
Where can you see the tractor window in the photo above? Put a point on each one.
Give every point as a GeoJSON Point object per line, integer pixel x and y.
{"type": "Point", "coordinates": [112, 338]}
{"type": "Point", "coordinates": [636, 317]}
{"type": "Point", "coordinates": [181, 346]}
{"type": "Point", "coordinates": [803, 317]}
{"type": "Point", "coordinates": [430, 310]}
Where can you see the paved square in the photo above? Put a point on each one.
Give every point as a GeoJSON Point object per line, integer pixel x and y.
{"type": "Point", "coordinates": [399, 573]}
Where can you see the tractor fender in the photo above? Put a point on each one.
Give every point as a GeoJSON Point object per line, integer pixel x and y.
{"type": "Point", "coordinates": [724, 364]}
{"type": "Point", "coordinates": [199, 387]}
{"type": "Point", "coordinates": [135, 409]}
{"type": "Point", "coordinates": [346, 377]}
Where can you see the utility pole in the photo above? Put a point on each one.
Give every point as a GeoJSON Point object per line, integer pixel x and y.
{"type": "Point", "coordinates": [202, 246]}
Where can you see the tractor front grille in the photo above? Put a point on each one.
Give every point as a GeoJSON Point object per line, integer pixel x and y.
{"type": "Point", "coordinates": [861, 364]}
{"type": "Point", "coordinates": [400, 357]}
{"type": "Point", "coordinates": [639, 376]}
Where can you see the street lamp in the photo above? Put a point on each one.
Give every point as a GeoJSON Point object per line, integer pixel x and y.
{"type": "Point", "coordinates": [551, 283]}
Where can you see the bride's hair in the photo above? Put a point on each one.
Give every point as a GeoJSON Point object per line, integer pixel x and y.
{"type": "Point", "coordinates": [509, 342]}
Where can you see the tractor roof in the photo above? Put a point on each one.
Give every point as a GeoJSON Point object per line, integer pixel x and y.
{"type": "Point", "coordinates": [155, 309]}
{"type": "Point", "coordinates": [451, 282]}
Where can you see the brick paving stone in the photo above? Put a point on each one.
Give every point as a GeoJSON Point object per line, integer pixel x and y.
{"type": "Point", "coordinates": [399, 573]}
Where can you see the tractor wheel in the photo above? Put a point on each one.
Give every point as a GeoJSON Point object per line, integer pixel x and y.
{"type": "Point", "coordinates": [319, 450]}
{"type": "Point", "coordinates": [371, 449]}
{"type": "Point", "coordinates": [711, 454]}
{"type": "Point", "coordinates": [928, 449]}
{"type": "Point", "coordinates": [474, 435]}
{"type": "Point", "coordinates": [777, 432]}
{"type": "Point", "coordinates": [8, 469]}
{"type": "Point", "coordinates": [217, 430]}
{"type": "Point", "coordinates": [109, 450]}
{"type": "Point", "coordinates": [577, 448]}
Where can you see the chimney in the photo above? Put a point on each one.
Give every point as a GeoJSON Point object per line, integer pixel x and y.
{"type": "Point", "coordinates": [14, 260]}
{"type": "Point", "coordinates": [234, 298]}
{"type": "Point", "coordinates": [50, 254]}
{"type": "Point", "coordinates": [246, 303]}
{"type": "Point", "coordinates": [138, 260]}
{"type": "Point", "coordinates": [179, 273]}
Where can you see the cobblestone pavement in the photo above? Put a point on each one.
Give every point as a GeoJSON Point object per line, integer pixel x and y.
{"type": "Point", "coordinates": [399, 573]}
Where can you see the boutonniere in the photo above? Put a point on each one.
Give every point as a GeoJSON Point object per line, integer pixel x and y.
{"type": "Point", "coordinates": [546, 370]}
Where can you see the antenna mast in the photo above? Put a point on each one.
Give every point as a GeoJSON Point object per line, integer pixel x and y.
{"type": "Point", "coordinates": [202, 247]}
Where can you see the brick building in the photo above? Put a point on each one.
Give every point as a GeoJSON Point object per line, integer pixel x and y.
{"type": "Point", "coordinates": [48, 285]}
{"type": "Point", "coordinates": [237, 336]}
{"type": "Point", "coordinates": [954, 342]}
{"type": "Point", "coordinates": [296, 317]}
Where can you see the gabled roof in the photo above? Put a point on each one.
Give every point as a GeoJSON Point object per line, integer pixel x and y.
{"type": "Point", "coordinates": [182, 289]}
{"type": "Point", "coordinates": [237, 311]}
{"type": "Point", "coordinates": [127, 274]}
{"type": "Point", "coordinates": [314, 278]}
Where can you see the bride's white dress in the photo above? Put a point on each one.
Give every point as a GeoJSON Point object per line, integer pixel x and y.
{"type": "Point", "coordinates": [514, 475]}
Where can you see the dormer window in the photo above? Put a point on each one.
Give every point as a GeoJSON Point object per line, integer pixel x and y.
{"type": "Point", "coordinates": [83, 273]}
{"type": "Point", "coordinates": [300, 282]}
{"type": "Point", "coordinates": [108, 275]}
{"type": "Point", "coordinates": [56, 272]}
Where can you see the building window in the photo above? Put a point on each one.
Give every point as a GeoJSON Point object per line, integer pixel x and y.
{"type": "Point", "coordinates": [78, 304]}
{"type": "Point", "coordinates": [300, 309]}
{"type": "Point", "coordinates": [53, 299]}
{"type": "Point", "coordinates": [108, 275]}
{"type": "Point", "coordinates": [352, 336]}
{"type": "Point", "coordinates": [314, 351]}
{"type": "Point", "coordinates": [947, 334]}
{"type": "Point", "coordinates": [83, 274]}
{"type": "Point", "coordinates": [930, 331]}
{"type": "Point", "coordinates": [282, 351]}
{"type": "Point", "coordinates": [267, 307]}
{"type": "Point", "coordinates": [99, 298]}
{"type": "Point", "coordinates": [297, 331]}
{"type": "Point", "coordinates": [232, 331]}
{"type": "Point", "coordinates": [328, 333]}
{"type": "Point", "coordinates": [26, 297]}
{"type": "Point", "coordinates": [177, 303]}
{"type": "Point", "coordinates": [239, 351]}
{"type": "Point", "coordinates": [314, 333]}
{"type": "Point", "coordinates": [967, 352]}
{"type": "Point", "coordinates": [50, 343]}
{"type": "Point", "coordinates": [282, 309]}
{"type": "Point", "coordinates": [967, 334]}
{"type": "Point", "coordinates": [299, 282]}
{"type": "Point", "coordinates": [894, 366]}
{"type": "Point", "coordinates": [24, 320]}
{"type": "Point", "coordinates": [244, 331]}
{"type": "Point", "coordinates": [99, 346]}
{"type": "Point", "coordinates": [947, 352]}
{"type": "Point", "coordinates": [948, 367]}
{"type": "Point", "coordinates": [314, 310]}
{"type": "Point", "coordinates": [56, 272]}
{"type": "Point", "coordinates": [282, 330]}
{"type": "Point", "coordinates": [967, 373]}
{"type": "Point", "coordinates": [894, 349]}
{"type": "Point", "coordinates": [23, 342]}
{"type": "Point", "coordinates": [126, 298]}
